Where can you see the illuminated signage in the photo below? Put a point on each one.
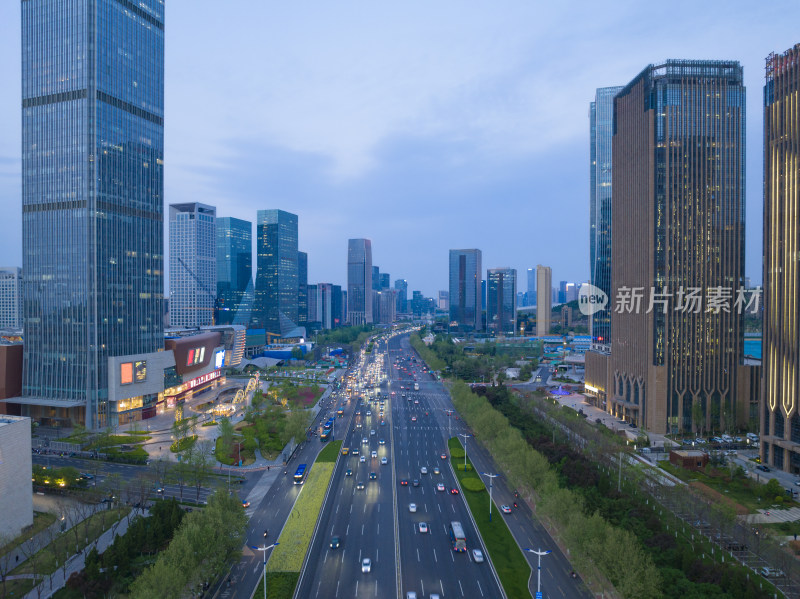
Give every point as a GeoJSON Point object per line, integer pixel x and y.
{"type": "Point", "coordinates": [195, 356]}
{"type": "Point", "coordinates": [203, 379]}
{"type": "Point", "coordinates": [140, 371]}
{"type": "Point", "coordinates": [219, 359]}
{"type": "Point", "coordinates": [126, 373]}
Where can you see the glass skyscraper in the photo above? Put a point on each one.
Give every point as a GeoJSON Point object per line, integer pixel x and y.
{"type": "Point", "coordinates": [302, 288]}
{"type": "Point", "coordinates": [359, 281]}
{"type": "Point", "coordinates": [192, 264]}
{"type": "Point", "coordinates": [277, 276]}
{"type": "Point", "coordinates": [601, 121]}
{"type": "Point", "coordinates": [501, 301]}
{"type": "Point", "coordinates": [92, 198]}
{"type": "Point", "coordinates": [401, 285]}
{"type": "Point", "coordinates": [466, 290]}
{"type": "Point", "coordinates": [234, 266]}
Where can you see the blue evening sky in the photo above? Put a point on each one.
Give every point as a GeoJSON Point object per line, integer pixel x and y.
{"type": "Point", "coordinates": [421, 125]}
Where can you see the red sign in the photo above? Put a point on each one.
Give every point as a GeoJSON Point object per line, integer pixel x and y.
{"type": "Point", "coordinates": [203, 379]}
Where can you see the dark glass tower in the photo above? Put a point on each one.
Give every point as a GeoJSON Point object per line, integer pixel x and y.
{"type": "Point", "coordinates": [601, 113]}
{"type": "Point", "coordinates": [277, 279]}
{"type": "Point", "coordinates": [501, 301]}
{"type": "Point", "coordinates": [359, 281]}
{"type": "Point", "coordinates": [92, 198]}
{"type": "Point", "coordinates": [466, 290]}
{"type": "Point", "coordinates": [234, 266]}
{"type": "Point", "coordinates": [401, 285]}
{"type": "Point", "coordinates": [302, 288]}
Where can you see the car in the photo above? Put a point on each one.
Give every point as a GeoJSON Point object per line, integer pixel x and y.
{"type": "Point", "coordinates": [381, 442]}
{"type": "Point", "coordinates": [763, 468]}
{"type": "Point", "coordinates": [372, 432]}
{"type": "Point", "coordinates": [358, 412]}
{"type": "Point", "coordinates": [440, 487]}
{"type": "Point", "coordinates": [423, 470]}
{"type": "Point", "coordinates": [335, 542]}
{"type": "Point", "coordinates": [369, 412]}
{"type": "Point", "coordinates": [415, 482]}
{"type": "Point", "coordinates": [412, 507]}
{"type": "Point", "coordinates": [454, 491]}
{"type": "Point", "coordinates": [362, 458]}
{"type": "Point", "coordinates": [358, 425]}
{"type": "Point", "coordinates": [383, 423]}
{"type": "Point", "coordinates": [384, 461]}
{"type": "Point", "coordinates": [348, 472]}
{"type": "Point", "coordinates": [477, 555]}
{"type": "Point", "coordinates": [374, 454]}
{"type": "Point", "coordinates": [423, 527]}
{"type": "Point", "coordinates": [416, 401]}
{"type": "Point", "coordinates": [360, 485]}
{"type": "Point", "coordinates": [411, 595]}
{"type": "Point", "coordinates": [372, 476]}
{"type": "Point", "coordinates": [244, 503]}
{"type": "Point", "coordinates": [404, 483]}
{"type": "Point", "coordinates": [443, 456]}
{"type": "Point", "coordinates": [354, 452]}
{"type": "Point", "coordinates": [505, 509]}
{"type": "Point", "coordinates": [364, 441]}
{"type": "Point", "coordinates": [413, 419]}
{"type": "Point", "coordinates": [767, 571]}
{"type": "Point", "coordinates": [436, 470]}
{"type": "Point", "coordinates": [345, 450]}
{"type": "Point", "coordinates": [366, 565]}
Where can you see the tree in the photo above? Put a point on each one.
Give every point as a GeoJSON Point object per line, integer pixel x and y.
{"type": "Point", "coordinates": [200, 465]}
{"type": "Point", "coordinates": [226, 434]}
{"type": "Point", "coordinates": [698, 417]}
{"type": "Point", "coordinates": [297, 353]}
{"type": "Point", "coordinates": [296, 424]}
{"type": "Point", "coordinates": [7, 562]}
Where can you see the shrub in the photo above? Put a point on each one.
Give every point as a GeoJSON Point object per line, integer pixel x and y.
{"type": "Point", "coordinates": [473, 484]}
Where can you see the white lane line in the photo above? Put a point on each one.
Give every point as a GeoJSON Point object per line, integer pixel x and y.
{"type": "Point", "coordinates": [362, 530]}
{"type": "Point", "coordinates": [460, 587]}
{"type": "Point", "coordinates": [418, 554]}
{"type": "Point", "coordinates": [479, 587]}
{"type": "Point", "coordinates": [434, 556]}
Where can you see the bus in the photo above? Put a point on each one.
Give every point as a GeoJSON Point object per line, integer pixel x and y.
{"type": "Point", "coordinates": [326, 434]}
{"type": "Point", "coordinates": [300, 476]}
{"type": "Point", "coordinates": [457, 537]}
{"type": "Point", "coordinates": [416, 386]}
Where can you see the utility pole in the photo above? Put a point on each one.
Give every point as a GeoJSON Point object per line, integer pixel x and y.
{"type": "Point", "coordinates": [465, 448]}
{"type": "Point", "coordinates": [491, 481]}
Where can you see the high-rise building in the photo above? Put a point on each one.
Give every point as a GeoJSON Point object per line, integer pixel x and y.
{"type": "Point", "coordinates": [444, 300]}
{"type": "Point", "coordinates": [601, 121]}
{"type": "Point", "coordinates": [302, 287]}
{"type": "Point", "coordinates": [385, 281]}
{"type": "Point", "coordinates": [531, 287]}
{"type": "Point", "coordinates": [92, 199]}
{"type": "Point", "coordinates": [562, 292]}
{"type": "Point", "coordinates": [384, 309]}
{"type": "Point", "coordinates": [277, 276]}
{"type": "Point", "coordinates": [10, 297]}
{"type": "Point", "coordinates": [359, 281]}
{"type": "Point", "coordinates": [325, 305]}
{"type": "Point", "coordinates": [376, 278]}
{"type": "Point", "coordinates": [417, 304]}
{"type": "Point", "coordinates": [192, 264]}
{"type": "Point", "coordinates": [501, 301]}
{"type": "Point", "coordinates": [544, 306]}
{"type": "Point", "coordinates": [780, 385]}
{"type": "Point", "coordinates": [401, 285]}
{"type": "Point", "coordinates": [234, 266]}
{"type": "Point", "coordinates": [466, 303]}
{"type": "Point", "coordinates": [678, 225]}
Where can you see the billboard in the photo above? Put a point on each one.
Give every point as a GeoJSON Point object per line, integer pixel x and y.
{"type": "Point", "coordinates": [126, 373]}
{"type": "Point", "coordinates": [219, 359]}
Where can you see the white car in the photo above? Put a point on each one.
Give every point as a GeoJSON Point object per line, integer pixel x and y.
{"type": "Point", "coordinates": [374, 454]}
{"type": "Point", "coordinates": [384, 461]}
{"type": "Point", "coordinates": [362, 458]}
{"type": "Point", "coordinates": [477, 555]}
{"type": "Point", "coordinates": [364, 441]}
{"type": "Point", "coordinates": [411, 595]}
{"type": "Point", "coordinates": [423, 527]}
{"type": "Point", "coordinates": [412, 507]}
{"type": "Point", "coordinates": [440, 487]}
{"type": "Point", "coordinates": [366, 565]}
{"type": "Point", "coordinates": [423, 470]}
{"type": "Point", "coordinates": [505, 509]}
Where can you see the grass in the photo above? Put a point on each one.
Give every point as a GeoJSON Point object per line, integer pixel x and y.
{"type": "Point", "coordinates": [210, 423]}
{"type": "Point", "coordinates": [330, 452]}
{"type": "Point", "coordinates": [41, 520]}
{"type": "Point", "coordinates": [511, 566]}
{"type": "Point", "coordinates": [296, 534]}
{"type": "Point", "coordinates": [280, 585]}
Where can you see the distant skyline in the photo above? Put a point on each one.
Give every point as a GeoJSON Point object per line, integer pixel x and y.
{"type": "Point", "coordinates": [421, 127]}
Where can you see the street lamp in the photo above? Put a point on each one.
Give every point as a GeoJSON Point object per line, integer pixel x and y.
{"type": "Point", "coordinates": [540, 553]}
{"type": "Point", "coordinates": [491, 481]}
{"type": "Point", "coordinates": [449, 420]}
{"type": "Point", "coordinates": [264, 550]}
{"type": "Point", "coordinates": [465, 448]}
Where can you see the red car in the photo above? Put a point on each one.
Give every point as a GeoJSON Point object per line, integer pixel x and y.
{"type": "Point", "coordinates": [453, 491]}
{"type": "Point", "coordinates": [404, 483]}
{"type": "Point", "coordinates": [413, 419]}
{"type": "Point", "coordinates": [443, 456]}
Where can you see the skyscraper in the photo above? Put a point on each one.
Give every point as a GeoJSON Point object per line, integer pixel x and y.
{"type": "Point", "coordinates": [678, 224]}
{"type": "Point", "coordinates": [531, 286]}
{"type": "Point", "coordinates": [544, 306]}
{"type": "Point", "coordinates": [10, 297]}
{"type": "Point", "coordinates": [376, 278]}
{"type": "Point", "coordinates": [780, 385]}
{"type": "Point", "coordinates": [385, 281]}
{"type": "Point", "coordinates": [302, 287]}
{"type": "Point", "coordinates": [359, 281]}
{"type": "Point", "coordinates": [402, 295]}
{"type": "Point", "coordinates": [234, 266]}
{"type": "Point", "coordinates": [601, 120]}
{"type": "Point", "coordinates": [466, 304]}
{"type": "Point", "coordinates": [192, 264]}
{"type": "Point", "coordinates": [92, 198]}
{"type": "Point", "coordinates": [501, 301]}
{"type": "Point", "coordinates": [277, 276]}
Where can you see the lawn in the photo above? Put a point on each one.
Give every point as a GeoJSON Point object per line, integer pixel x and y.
{"type": "Point", "coordinates": [41, 520]}
{"type": "Point", "coordinates": [330, 453]}
{"type": "Point", "coordinates": [280, 585]}
{"type": "Point", "coordinates": [506, 556]}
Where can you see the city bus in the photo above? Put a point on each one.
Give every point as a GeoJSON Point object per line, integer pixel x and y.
{"type": "Point", "coordinates": [300, 476]}
{"type": "Point", "coordinates": [457, 537]}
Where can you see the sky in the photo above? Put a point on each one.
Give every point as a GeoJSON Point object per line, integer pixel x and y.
{"type": "Point", "coordinates": [423, 126]}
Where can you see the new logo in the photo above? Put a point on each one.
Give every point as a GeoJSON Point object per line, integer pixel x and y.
{"type": "Point", "coordinates": [591, 299]}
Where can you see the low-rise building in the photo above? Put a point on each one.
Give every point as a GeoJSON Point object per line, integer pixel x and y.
{"type": "Point", "coordinates": [16, 488]}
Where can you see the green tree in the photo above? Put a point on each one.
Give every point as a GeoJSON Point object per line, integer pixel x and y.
{"type": "Point", "coordinates": [296, 425]}
{"type": "Point", "coordinates": [297, 353]}
{"type": "Point", "coordinates": [698, 417]}
{"type": "Point", "coordinates": [226, 434]}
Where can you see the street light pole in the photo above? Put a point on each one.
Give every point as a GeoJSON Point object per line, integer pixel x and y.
{"type": "Point", "coordinates": [264, 550]}
{"type": "Point", "coordinates": [465, 448]}
{"type": "Point", "coordinates": [449, 421]}
{"type": "Point", "coordinates": [491, 481]}
{"type": "Point", "coordinates": [540, 553]}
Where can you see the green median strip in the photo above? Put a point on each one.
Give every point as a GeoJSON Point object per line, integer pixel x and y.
{"type": "Point", "coordinates": [286, 561]}
{"type": "Point", "coordinates": [510, 564]}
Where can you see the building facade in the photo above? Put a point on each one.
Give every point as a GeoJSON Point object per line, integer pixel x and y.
{"type": "Point", "coordinates": [10, 297]}
{"type": "Point", "coordinates": [678, 225]}
{"type": "Point", "coordinates": [544, 297]}
{"type": "Point", "coordinates": [277, 285]}
{"type": "Point", "coordinates": [92, 198]}
{"type": "Point", "coordinates": [466, 305]}
{"type": "Point", "coordinates": [192, 264]}
{"type": "Point", "coordinates": [531, 297]}
{"type": "Point", "coordinates": [359, 281]}
{"type": "Point", "coordinates": [601, 120]}
{"type": "Point", "coordinates": [16, 487]}
{"type": "Point", "coordinates": [501, 301]}
{"type": "Point", "coordinates": [234, 267]}
{"type": "Point", "coordinates": [302, 288]}
{"type": "Point", "coordinates": [780, 392]}
{"type": "Point", "coordinates": [401, 285]}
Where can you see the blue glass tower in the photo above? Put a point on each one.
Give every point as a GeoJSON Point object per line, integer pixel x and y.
{"type": "Point", "coordinates": [277, 278]}
{"type": "Point", "coordinates": [234, 266]}
{"type": "Point", "coordinates": [92, 198]}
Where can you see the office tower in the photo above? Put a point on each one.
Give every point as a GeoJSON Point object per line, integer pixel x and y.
{"type": "Point", "coordinates": [444, 300]}
{"type": "Point", "coordinates": [386, 282]}
{"type": "Point", "coordinates": [401, 285]}
{"type": "Point", "coordinates": [338, 306]}
{"type": "Point", "coordinates": [376, 278]}
{"type": "Point", "coordinates": [10, 297]}
{"type": "Point", "coordinates": [677, 224]}
{"type": "Point", "coordinates": [92, 199]}
{"type": "Point", "coordinates": [192, 264]}
{"type": "Point", "coordinates": [277, 277]}
{"type": "Point", "coordinates": [571, 293]}
{"type": "Point", "coordinates": [302, 285]}
{"type": "Point", "coordinates": [544, 280]}
{"type": "Point", "coordinates": [601, 121]}
{"type": "Point", "coordinates": [234, 266]}
{"type": "Point", "coordinates": [531, 287]}
{"type": "Point", "coordinates": [465, 290]}
{"type": "Point", "coordinates": [359, 281]}
{"type": "Point", "coordinates": [384, 308]}
{"type": "Point", "coordinates": [501, 301]}
{"type": "Point", "coordinates": [562, 292]}
{"type": "Point", "coordinates": [314, 307]}
{"type": "Point", "coordinates": [325, 305]}
{"type": "Point", "coordinates": [417, 304]}
{"type": "Point", "coordinates": [780, 385]}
